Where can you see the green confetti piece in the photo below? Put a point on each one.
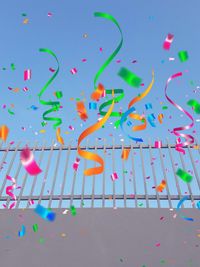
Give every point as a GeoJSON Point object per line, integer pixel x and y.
{"type": "Point", "coordinates": [186, 177]}
{"type": "Point", "coordinates": [78, 99]}
{"type": "Point", "coordinates": [3, 68]}
{"type": "Point", "coordinates": [183, 56]}
{"type": "Point", "coordinates": [162, 262]}
{"type": "Point", "coordinates": [164, 107]}
{"type": "Point", "coordinates": [24, 14]}
{"type": "Point", "coordinates": [129, 77]}
{"type": "Point", "coordinates": [73, 210]}
{"type": "Point", "coordinates": [11, 112]}
{"type": "Point", "coordinates": [41, 240]}
{"type": "Point", "coordinates": [58, 94]}
{"type": "Point", "coordinates": [140, 204]}
{"type": "Point", "coordinates": [12, 66]}
{"type": "Point", "coordinates": [195, 105]}
{"type": "Point", "coordinates": [43, 123]}
{"type": "Point", "coordinates": [35, 227]}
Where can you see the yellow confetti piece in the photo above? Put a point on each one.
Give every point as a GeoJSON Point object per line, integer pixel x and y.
{"type": "Point", "coordinates": [63, 234]}
{"type": "Point", "coordinates": [25, 21]}
{"type": "Point", "coordinates": [67, 132]}
{"type": "Point", "coordinates": [42, 131]}
{"type": "Point", "coordinates": [196, 147]}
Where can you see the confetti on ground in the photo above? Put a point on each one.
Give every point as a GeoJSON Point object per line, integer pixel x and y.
{"type": "Point", "coordinates": [73, 210]}
{"type": "Point", "coordinates": [185, 176]}
{"type": "Point", "coordinates": [35, 227]}
{"type": "Point", "coordinates": [45, 213]}
{"type": "Point", "coordinates": [22, 232]}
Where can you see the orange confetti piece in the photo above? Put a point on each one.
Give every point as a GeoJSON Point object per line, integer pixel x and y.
{"type": "Point", "coordinates": [25, 21]}
{"type": "Point", "coordinates": [161, 186]}
{"type": "Point", "coordinates": [96, 95]}
{"type": "Point", "coordinates": [82, 112]}
{"type": "Point", "coordinates": [4, 132]}
{"type": "Point", "coordinates": [58, 137]}
{"type": "Point", "coordinates": [125, 153]}
{"type": "Point", "coordinates": [90, 155]}
{"type": "Point", "coordinates": [160, 117]}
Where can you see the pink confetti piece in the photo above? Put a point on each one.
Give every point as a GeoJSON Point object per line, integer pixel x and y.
{"type": "Point", "coordinates": [76, 164]}
{"type": "Point", "coordinates": [49, 14]}
{"type": "Point", "coordinates": [73, 71]}
{"type": "Point", "coordinates": [27, 74]}
{"type": "Point", "coordinates": [158, 245]}
{"type": "Point", "coordinates": [31, 202]}
{"type": "Point", "coordinates": [167, 43]}
{"type": "Point", "coordinates": [52, 70]}
{"type": "Point", "coordinates": [27, 160]}
{"type": "Point", "coordinates": [4, 106]}
{"type": "Point", "coordinates": [114, 176]}
{"type": "Point", "coordinates": [71, 127]}
{"type": "Point", "coordinates": [134, 61]}
{"type": "Point", "coordinates": [118, 61]}
{"type": "Point", "coordinates": [161, 218]}
{"type": "Point", "coordinates": [158, 144]}
{"type": "Point", "coordinates": [25, 89]}
{"type": "Point", "coordinates": [84, 60]}
{"type": "Point", "coordinates": [9, 88]}
{"type": "Point", "coordinates": [101, 49]}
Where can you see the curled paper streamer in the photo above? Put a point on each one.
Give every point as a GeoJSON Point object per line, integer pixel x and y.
{"type": "Point", "coordinates": [107, 62]}
{"type": "Point", "coordinates": [187, 127]}
{"type": "Point", "coordinates": [136, 116]}
{"type": "Point", "coordinates": [178, 208]}
{"type": "Point", "coordinates": [4, 130]}
{"type": "Point", "coordinates": [90, 155]}
{"type": "Point", "coordinates": [9, 192]}
{"type": "Point", "coordinates": [59, 137]}
{"type": "Point", "coordinates": [27, 160]}
{"type": "Point", "coordinates": [82, 112]}
{"type": "Point", "coordinates": [55, 104]}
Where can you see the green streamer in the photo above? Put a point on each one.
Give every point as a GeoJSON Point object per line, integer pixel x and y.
{"type": "Point", "coordinates": [55, 104]}
{"type": "Point", "coordinates": [102, 68]}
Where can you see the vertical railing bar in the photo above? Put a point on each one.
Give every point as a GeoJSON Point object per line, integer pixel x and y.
{"type": "Point", "coordinates": [123, 175]}
{"type": "Point", "coordinates": [154, 173]}
{"type": "Point", "coordinates": [24, 182]}
{"type": "Point", "coordinates": [55, 176]}
{"type": "Point", "coordinates": [189, 187]}
{"type": "Point", "coordinates": [46, 173]}
{"type": "Point", "coordinates": [174, 171]}
{"type": "Point", "coordinates": [194, 168]}
{"type": "Point", "coordinates": [133, 174]}
{"type": "Point", "coordinates": [113, 167]}
{"type": "Point", "coordinates": [104, 177]}
{"type": "Point", "coordinates": [65, 174]}
{"type": "Point", "coordinates": [165, 178]}
{"type": "Point", "coordinates": [85, 166]}
{"type": "Point", "coordinates": [93, 179]}
{"type": "Point", "coordinates": [144, 175]}
{"type": "Point", "coordinates": [35, 177]}
{"type": "Point", "coordinates": [10, 166]}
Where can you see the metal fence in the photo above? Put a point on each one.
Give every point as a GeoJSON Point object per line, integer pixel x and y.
{"type": "Point", "coordinates": [60, 186]}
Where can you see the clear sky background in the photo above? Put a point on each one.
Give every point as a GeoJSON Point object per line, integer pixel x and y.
{"type": "Point", "coordinates": [145, 25]}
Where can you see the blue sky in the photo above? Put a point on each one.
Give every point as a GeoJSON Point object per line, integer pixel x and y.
{"type": "Point", "coordinates": [145, 25]}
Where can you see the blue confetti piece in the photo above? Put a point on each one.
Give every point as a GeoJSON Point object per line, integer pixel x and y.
{"type": "Point", "coordinates": [22, 232]}
{"type": "Point", "coordinates": [45, 213]}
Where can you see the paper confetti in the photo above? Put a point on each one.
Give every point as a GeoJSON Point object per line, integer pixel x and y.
{"type": "Point", "coordinates": [45, 213]}
{"type": "Point", "coordinates": [27, 74]}
{"type": "Point", "coordinates": [185, 176]}
{"type": "Point", "coordinates": [183, 56]}
{"type": "Point", "coordinates": [167, 43]}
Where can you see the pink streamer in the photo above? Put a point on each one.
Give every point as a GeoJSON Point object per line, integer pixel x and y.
{"type": "Point", "coordinates": [9, 190]}
{"type": "Point", "coordinates": [179, 145]}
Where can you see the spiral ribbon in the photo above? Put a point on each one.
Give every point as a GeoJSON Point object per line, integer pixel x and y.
{"type": "Point", "coordinates": [55, 104]}
{"type": "Point", "coordinates": [178, 209]}
{"type": "Point", "coordinates": [179, 145]}
{"type": "Point", "coordinates": [136, 116]}
{"type": "Point", "coordinates": [102, 68]}
{"type": "Point", "coordinates": [90, 155]}
{"type": "Point", "coordinates": [9, 190]}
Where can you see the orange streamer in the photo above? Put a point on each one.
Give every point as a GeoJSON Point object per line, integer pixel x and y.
{"type": "Point", "coordinates": [90, 155]}
{"type": "Point", "coordinates": [59, 137]}
{"type": "Point", "coordinates": [137, 99]}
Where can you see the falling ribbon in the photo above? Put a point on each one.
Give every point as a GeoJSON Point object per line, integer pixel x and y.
{"type": "Point", "coordinates": [9, 190]}
{"type": "Point", "coordinates": [136, 116]}
{"type": "Point", "coordinates": [178, 208]}
{"type": "Point", "coordinates": [90, 155]}
{"type": "Point", "coordinates": [55, 104]}
{"type": "Point", "coordinates": [179, 145]}
{"type": "Point", "coordinates": [59, 137]}
{"type": "Point", "coordinates": [102, 68]}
